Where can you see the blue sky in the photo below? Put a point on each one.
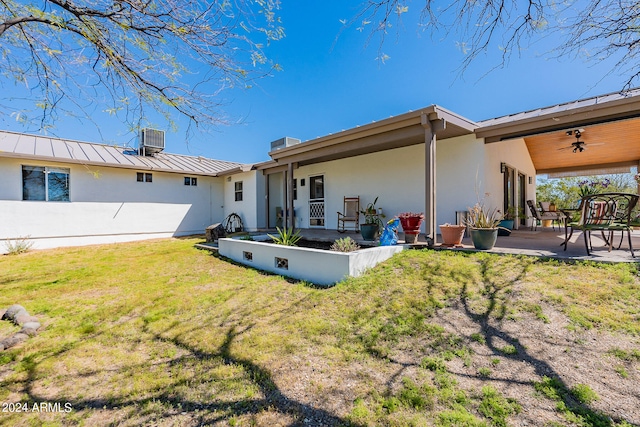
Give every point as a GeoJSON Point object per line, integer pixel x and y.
{"type": "Point", "coordinates": [331, 81]}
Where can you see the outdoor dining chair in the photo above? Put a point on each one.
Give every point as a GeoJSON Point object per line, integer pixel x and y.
{"type": "Point", "coordinates": [349, 214]}
{"type": "Point", "coordinates": [539, 217]}
{"type": "Point", "coordinates": [607, 213]}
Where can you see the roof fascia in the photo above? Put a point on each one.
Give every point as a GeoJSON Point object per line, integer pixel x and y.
{"type": "Point", "coordinates": [411, 118]}
{"type": "Point", "coordinates": [620, 109]}
{"type": "Point", "coordinates": [63, 161]}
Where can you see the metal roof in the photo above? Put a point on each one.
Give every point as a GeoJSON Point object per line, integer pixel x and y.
{"type": "Point", "coordinates": [594, 103]}
{"type": "Point", "coordinates": [23, 146]}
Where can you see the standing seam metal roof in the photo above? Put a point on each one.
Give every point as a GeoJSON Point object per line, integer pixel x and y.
{"type": "Point", "coordinates": [18, 145]}
{"type": "Point", "coordinates": [561, 108]}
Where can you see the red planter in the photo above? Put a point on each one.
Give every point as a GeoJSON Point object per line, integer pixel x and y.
{"type": "Point", "coordinates": [411, 226]}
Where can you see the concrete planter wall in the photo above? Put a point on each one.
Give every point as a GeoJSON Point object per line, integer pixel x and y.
{"type": "Point", "coordinates": [313, 265]}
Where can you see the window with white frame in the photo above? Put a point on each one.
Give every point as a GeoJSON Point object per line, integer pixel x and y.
{"type": "Point", "coordinates": [45, 183]}
{"type": "Point", "coordinates": [238, 191]}
{"type": "Point", "coordinates": [190, 180]}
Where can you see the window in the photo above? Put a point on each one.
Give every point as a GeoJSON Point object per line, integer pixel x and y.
{"type": "Point", "coordinates": [316, 187]}
{"type": "Point", "coordinates": [295, 189]}
{"type": "Point", "coordinates": [144, 177]}
{"type": "Point", "coordinates": [188, 180]}
{"type": "Point", "coordinates": [45, 183]}
{"type": "Point", "coordinates": [238, 188]}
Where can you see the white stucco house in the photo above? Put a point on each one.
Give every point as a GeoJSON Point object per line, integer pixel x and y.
{"type": "Point", "coordinates": [61, 193]}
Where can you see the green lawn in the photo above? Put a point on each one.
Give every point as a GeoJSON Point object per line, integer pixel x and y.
{"type": "Point", "coordinates": [161, 333]}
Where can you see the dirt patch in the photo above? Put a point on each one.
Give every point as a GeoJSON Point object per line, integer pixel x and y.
{"type": "Point", "coordinates": [551, 349]}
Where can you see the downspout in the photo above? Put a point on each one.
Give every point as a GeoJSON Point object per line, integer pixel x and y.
{"type": "Point", "coordinates": [431, 124]}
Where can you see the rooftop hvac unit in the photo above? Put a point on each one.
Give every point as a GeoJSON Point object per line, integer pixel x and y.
{"type": "Point", "coordinates": [287, 141]}
{"type": "Point", "coordinates": [151, 141]}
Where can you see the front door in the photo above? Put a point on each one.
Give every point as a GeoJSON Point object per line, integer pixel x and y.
{"type": "Point", "coordinates": [316, 201]}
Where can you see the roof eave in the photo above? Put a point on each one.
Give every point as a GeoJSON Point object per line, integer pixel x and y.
{"type": "Point", "coordinates": [395, 123]}
{"type": "Point", "coordinates": [620, 109]}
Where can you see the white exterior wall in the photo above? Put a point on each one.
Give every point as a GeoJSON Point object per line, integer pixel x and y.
{"type": "Point", "coordinates": [460, 169]}
{"type": "Point", "coordinates": [107, 205]}
{"type": "Point", "coordinates": [515, 154]}
{"type": "Point", "coordinates": [467, 171]}
{"type": "Point", "coordinates": [396, 177]}
{"type": "Point", "coordinates": [251, 208]}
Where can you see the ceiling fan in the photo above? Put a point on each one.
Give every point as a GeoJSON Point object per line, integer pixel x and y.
{"type": "Point", "coordinates": [578, 146]}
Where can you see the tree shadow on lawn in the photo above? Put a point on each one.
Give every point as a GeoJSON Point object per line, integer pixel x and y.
{"type": "Point", "coordinates": [494, 286]}
{"type": "Point", "coordinates": [173, 400]}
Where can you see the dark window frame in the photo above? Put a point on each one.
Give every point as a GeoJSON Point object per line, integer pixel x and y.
{"type": "Point", "coordinates": [144, 177]}
{"type": "Point", "coordinates": [238, 189]}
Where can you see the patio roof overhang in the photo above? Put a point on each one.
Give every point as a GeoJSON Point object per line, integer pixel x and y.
{"type": "Point", "coordinates": [395, 132]}
{"type": "Point", "coordinates": [612, 133]}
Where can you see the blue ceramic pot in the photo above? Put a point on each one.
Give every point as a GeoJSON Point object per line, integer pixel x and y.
{"type": "Point", "coordinates": [484, 238]}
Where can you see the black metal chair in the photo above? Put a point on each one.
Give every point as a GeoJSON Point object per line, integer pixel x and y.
{"type": "Point", "coordinates": [607, 213]}
{"type": "Point", "coordinates": [539, 217]}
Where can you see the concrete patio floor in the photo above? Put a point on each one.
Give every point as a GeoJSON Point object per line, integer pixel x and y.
{"type": "Point", "coordinates": [544, 242]}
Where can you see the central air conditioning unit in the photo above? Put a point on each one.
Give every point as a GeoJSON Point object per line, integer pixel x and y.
{"type": "Point", "coordinates": [287, 141]}
{"type": "Point", "coordinates": [151, 141]}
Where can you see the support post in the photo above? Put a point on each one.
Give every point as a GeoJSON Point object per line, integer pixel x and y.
{"type": "Point", "coordinates": [289, 217]}
{"type": "Point", "coordinates": [431, 125]}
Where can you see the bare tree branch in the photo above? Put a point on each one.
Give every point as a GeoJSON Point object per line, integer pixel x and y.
{"type": "Point", "coordinates": [592, 30]}
{"type": "Point", "coordinates": [158, 55]}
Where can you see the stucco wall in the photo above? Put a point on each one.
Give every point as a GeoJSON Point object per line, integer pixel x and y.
{"type": "Point", "coordinates": [468, 170]}
{"type": "Point", "coordinates": [396, 177]}
{"type": "Point", "coordinates": [515, 154]}
{"type": "Point", "coordinates": [252, 206]}
{"type": "Point", "coordinates": [460, 169]}
{"type": "Point", "coordinates": [107, 205]}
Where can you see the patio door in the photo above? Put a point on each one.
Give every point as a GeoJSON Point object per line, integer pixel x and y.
{"type": "Point", "coordinates": [509, 188]}
{"type": "Point", "coordinates": [316, 201]}
{"type": "Point", "coordinates": [522, 196]}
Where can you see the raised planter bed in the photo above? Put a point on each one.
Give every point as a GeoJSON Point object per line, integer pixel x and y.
{"type": "Point", "coordinates": [317, 266]}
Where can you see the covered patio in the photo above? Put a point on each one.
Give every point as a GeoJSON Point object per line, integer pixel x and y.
{"type": "Point", "coordinates": [544, 242]}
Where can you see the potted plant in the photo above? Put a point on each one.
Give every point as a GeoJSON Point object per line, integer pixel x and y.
{"type": "Point", "coordinates": [411, 225]}
{"type": "Point", "coordinates": [508, 222]}
{"type": "Point", "coordinates": [452, 234]}
{"type": "Point", "coordinates": [372, 225]}
{"type": "Point", "coordinates": [484, 224]}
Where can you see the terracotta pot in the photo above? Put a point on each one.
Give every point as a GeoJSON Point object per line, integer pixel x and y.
{"type": "Point", "coordinates": [452, 234]}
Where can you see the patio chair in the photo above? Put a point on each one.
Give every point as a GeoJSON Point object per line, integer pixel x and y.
{"type": "Point", "coordinates": [607, 213]}
{"type": "Point", "coordinates": [539, 217]}
{"type": "Point", "coordinates": [349, 214]}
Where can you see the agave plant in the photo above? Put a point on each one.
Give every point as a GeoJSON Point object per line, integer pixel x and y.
{"type": "Point", "coordinates": [480, 216]}
{"type": "Point", "coordinates": [286, 237]}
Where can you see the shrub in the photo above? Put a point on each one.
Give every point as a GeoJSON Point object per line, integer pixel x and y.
{"type": "Point", "coordinates": [346, 244]}
{"type": "Point", "coordinates": [18, 246]}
